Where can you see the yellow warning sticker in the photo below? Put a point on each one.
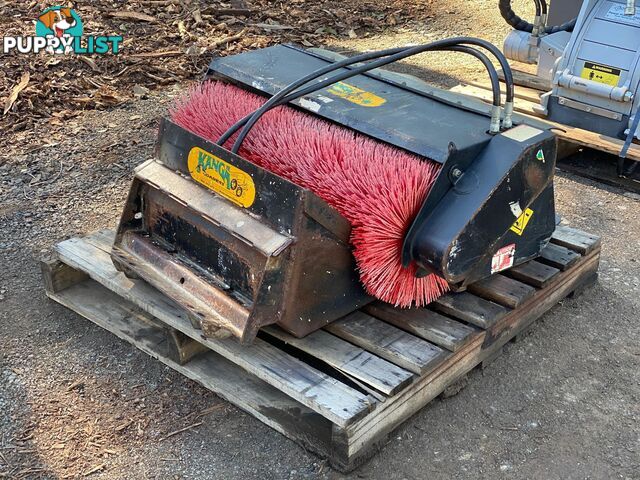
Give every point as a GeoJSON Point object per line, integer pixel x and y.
{"type": "Point", "coordinates": [221, 177]}
{"type": "Point", "coordinates": [521, 224]}
{"type": "Point", "coordinates": [356, 95]}
{"type": "Point", "coordinates": [601, 73]}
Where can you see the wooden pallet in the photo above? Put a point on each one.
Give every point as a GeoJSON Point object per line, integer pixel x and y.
{"type": "Point", "coordinates": [529, 88]}
{"type": "Point", "coordinates": [340, 391]}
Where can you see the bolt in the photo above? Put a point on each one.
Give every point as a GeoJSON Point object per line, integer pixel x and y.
{"type": "Point", "coordinates": [456, 173]}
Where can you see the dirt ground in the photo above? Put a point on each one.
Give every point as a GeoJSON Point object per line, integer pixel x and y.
{"type": "Point", "coordinates": [75, 401]}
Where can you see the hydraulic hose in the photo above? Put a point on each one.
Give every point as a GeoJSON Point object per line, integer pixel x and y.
{"type": "Point", "coordinates": [491, 69]}
{"type": "Point", "coordinates": [276, 99]}
{"type": "Point", "coordinates": [495, 82]}
{"type": "Point", "coordinates": [544, 8]}
{"type": "Point", "coordinates": [519, 24]}
{"type": "Point", "coordinates": [306, 79]}
{"type": "Point", "coordinates": [538, 7]}
{"type": "Point", "coordinates": [406, 52]}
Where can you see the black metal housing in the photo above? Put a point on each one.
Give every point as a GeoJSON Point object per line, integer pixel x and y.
{"type": "Point", "coordinates": [484, 177]}
{"type": "Point", "coordinates": [285, 259]}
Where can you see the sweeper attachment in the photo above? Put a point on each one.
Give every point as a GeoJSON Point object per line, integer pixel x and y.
{"type": "Point", "coordinates": [345, 186]}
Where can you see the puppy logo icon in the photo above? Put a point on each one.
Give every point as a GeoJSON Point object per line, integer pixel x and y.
{"type": "Point", "coordinates": [61, 23]}
{"type": "Point", "coordinates": [59, 30]}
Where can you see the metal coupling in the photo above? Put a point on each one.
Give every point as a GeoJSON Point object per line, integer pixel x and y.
{"type": "Point", "coordinates": [536, 26]}
{"type": "Point", "coordinates": [544, 20]}
{"type": "Point", "coordinates": [495, 119]}
{"type": "Point", "coordinates": [508, 116]}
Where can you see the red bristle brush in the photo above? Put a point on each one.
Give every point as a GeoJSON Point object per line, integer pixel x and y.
{"type": "Point", "coordinates": [377, 188]}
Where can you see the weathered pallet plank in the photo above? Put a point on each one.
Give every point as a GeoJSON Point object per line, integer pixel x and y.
{"type": "Point", "coordinates": [432, 326]}
{"type": "Point", "coordinates": [523, 76]}
{"type": "Point", "coordinates": [353, 361]}
{"type": "Point", "coordinates": [503, 290]}
{"type": "Point", "coordinates": [574, 239]}
{"type": "Point", "coordinates": [559, 257]}
{"type": "Point", "coordinates": [326, 395]}
{"type": "Point", "coordinates": [388, 342]}
{"type": "Point", "coordinates": [524, 93]}
{"type": "Point", "coordinates": [471, 308]}
{"type": "Point", "coordinates": [533, 273]}
{"type": "Point", "coordinates": [592, 164]}
{"type": "Point", "coordinates": [520, 105]}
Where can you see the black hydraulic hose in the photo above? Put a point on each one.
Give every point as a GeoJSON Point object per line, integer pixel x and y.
{"type": "Point", "coordinates": [519, 24]}
{"type": "Point", "coordinates": [275, 100]}
{"type": "Point", "coordinates": [306, 79]}
{"type": "Point", "coordinates": [491, 70]}
{"type": "Point", "coordinates": [544, 7]}
{"type": "Point", "coordinates": [437, 45]}
{"type": "Point", "coordinates": [538, 7]}
{"type": "Point", "coordinates": [407, 52]}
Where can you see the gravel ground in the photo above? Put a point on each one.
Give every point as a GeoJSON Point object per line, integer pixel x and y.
{"type": "Point", "coordinates": [75, 401]}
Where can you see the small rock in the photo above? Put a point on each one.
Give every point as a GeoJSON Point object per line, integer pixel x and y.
{"type": "Point", "coordinates": [140, 91]}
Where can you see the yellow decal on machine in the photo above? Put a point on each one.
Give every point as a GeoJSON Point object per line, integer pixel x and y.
{"type": "Point", "coordinates": [601, 73]}
{"type": "Point", "coordinates": [221, 177]}
{"type": "Point", "coordinates": [356, 95]}
{"type": "Point", "coordinates": [521, 223]}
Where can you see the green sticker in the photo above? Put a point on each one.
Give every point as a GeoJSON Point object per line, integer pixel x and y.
{"type": "Point", "coordinates": [540, 156]}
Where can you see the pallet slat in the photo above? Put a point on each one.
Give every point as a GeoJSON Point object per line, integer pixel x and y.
{"type": "Point", "coordinates": [533, 273]}
{"type": "Point", "coordinates": [520, 105]}
{"type": "Point", "coordinates": [326, 395]}
{"type": "Point", "coordinates": [387, 341]}
{"type": "Point", "coordinates": [575, 239]}
{"type": "Point", "coordinates": [471, 308]}
{"type": "Point", "coordinates": [355, 362]}
{"type": "Point", "coordinates": [525, 93]}
{"type": "Point", "coordinates": [503, 290]}
{"type": "Point", "coordinates": [432, 326]}
{"type": "Point", "coordinates": [559, 257]}
{"type": "Point", "coordinates": [527, 79]}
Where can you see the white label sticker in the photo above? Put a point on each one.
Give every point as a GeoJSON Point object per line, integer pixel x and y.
{"type": "Point", "coordinates": [516, 209]}
{"type": "Point", "coordinates": [503, 259]}
{"type": "Point", "coordinates": [522, 133]}
{"type": "Point", "coordinates": [616, 12]}
{"type": "Point", "coordinates": [310, 105]}
{"type": "Point", "coordinates": [324, 99]}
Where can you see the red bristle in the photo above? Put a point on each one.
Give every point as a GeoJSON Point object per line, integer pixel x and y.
{"type": "Point", "coordinates": [377, 188]}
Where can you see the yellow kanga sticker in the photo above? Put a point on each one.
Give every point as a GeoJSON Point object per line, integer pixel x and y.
{"type": "Point", "coordinates": [221, 177]}
{"type": "Point", "coordinates": [521, 224]}
{"type": "Point", "coordinates": [356, 95]}
{"type": "Point", "coordinates": [601, 74]}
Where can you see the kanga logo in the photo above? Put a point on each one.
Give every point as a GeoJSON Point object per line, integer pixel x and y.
{"type": "Point", "coordinates": [62, 23]}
